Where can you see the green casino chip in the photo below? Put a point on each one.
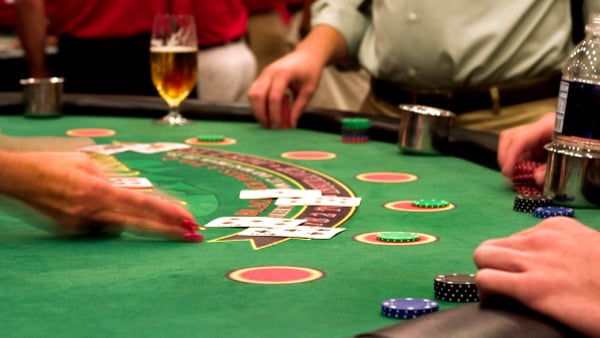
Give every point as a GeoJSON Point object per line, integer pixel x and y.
{"type": "Point", "coordinates": [356, 123]}
{"type": "Point", "coordinates": [211, 138]}
{"type": "Point", "coordinates": [398, 237]}
{"type": "Point", "coordinates": [430, 203]}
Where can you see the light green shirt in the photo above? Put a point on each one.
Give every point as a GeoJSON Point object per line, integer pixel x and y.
{"type": "Point", "coordinates": [450, 44]}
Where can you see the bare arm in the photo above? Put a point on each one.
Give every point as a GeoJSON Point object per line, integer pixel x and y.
{"type": "Point", "coordinates": [81, 198]}
{"type": "Point", "coordinates": [300, 71]}
{"type": "Point", "coordinates": [31, 30]}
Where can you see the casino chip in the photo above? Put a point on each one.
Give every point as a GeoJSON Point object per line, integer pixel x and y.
{"type": "Point", "coordinates": [430, 203]}
{"type": "Point", "coordinates": [408, 308]}
{"type": "Point", "coordinates": [355, 129]}
{"type": "Point", "coordinates": [211, 138]}
{"type": "Point", "coordinates": [528, 203]}
{"type": "Point", "coordinates": [398, 237]}
{"type": "Point", "coordinates": [550, 211]}
{"type": "Point", "coordinates": [456, 287]}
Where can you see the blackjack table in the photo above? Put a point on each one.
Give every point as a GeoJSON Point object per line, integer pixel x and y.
{"type": "Point", "coordinates": [232, 285]}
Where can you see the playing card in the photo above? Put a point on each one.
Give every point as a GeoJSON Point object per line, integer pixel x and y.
{"type": "Point", "coordinates": [157, 147]}
{"type": "Point", "coordinates": [308, 232]}
{"type": "Point", "coordinates": [107, 149]}
{"type": "Point", "coordinates": [275, 193]}
{"type": "Point", "coordinates": [336, 201]}
{"type": "Point", "coordinates": [254, 222]}
{"type": "Point", "coordinates": [131, 182]}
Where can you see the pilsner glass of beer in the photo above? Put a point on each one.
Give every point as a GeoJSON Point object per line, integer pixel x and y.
{"type": "Point", "coordinates": [173, 62]}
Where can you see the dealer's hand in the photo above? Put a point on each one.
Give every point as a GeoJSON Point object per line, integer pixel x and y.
{"type": "Point", "coordinates": [549, 268]}
{"type": "Point", "coordinates": [71, 189]}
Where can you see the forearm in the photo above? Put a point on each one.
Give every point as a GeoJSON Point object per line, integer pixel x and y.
{"type": "Point", "coordinates": [325, 45]}
{"type": "Point", "coordinates": [31, 30]}
{"type": "Point", "coordinates": [13, 173]}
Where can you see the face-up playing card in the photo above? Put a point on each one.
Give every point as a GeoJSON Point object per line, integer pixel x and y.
{"type": "Point", "coordinates": [336, 201]}
{"type": "Point", "coordinates": [108, 149]}
{"type": "Point", "coordinates": [254, 222]}
{"type": "Point", "coordinates": [131, 182]}
{"type": "Point", "coordinates": [308, 232]}
{"type": "Point", "coordinates": [157, 147]}
{"type": "Point", "coordinates": [276, 193]}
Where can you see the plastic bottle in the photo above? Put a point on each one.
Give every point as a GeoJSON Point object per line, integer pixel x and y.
{"type": "Point", "coordinates": [578, 109]}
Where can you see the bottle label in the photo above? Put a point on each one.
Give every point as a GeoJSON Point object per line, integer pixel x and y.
{"type": "Point", "coordinates": [578, 110]}
{"type": "Point", "coordinates": [563, 92]}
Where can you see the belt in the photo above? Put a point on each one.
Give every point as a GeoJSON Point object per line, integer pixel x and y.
{"type": "Point", "coordinates": [221, 44]}
{"type": "Point", "coordinates": [460, 101]}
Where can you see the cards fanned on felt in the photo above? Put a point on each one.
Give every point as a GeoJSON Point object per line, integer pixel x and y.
{"type": "Point", "coordinates": [131, 182]}
{"type": "Point", "coordinates": [337, 201]}
{"type": "Point", "coordinates": [308, 232]}
{"type": "Point", "coordinates": [144, 148]}
{"type": "Point", "coordinates": [277, 193]}
{"type": "Point", "coordinates": [254, 222]}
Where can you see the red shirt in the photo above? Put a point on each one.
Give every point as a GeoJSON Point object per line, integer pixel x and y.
{"type": "Point", "coordinates": [258, 6]}
{"type": "Point", "coordinates": [102, 18]}
{"type": "Point", "coordinates": [7, 15]}
{"type": "Point", "coordinates": [217, 21]}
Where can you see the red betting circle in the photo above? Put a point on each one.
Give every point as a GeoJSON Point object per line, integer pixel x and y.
{"type": "Point", "coordinates": [371, 238]}
{"type": "Point", "coordinates": [407, 206]}
{"type": "Point", "coordinates": [308, 155]}
{"type": "Point", "coordinates": [91, 132]}
{"type": "Point", "coordinates": [226, 141]}
{"type": "Point", "coordinates": [386, 177]}
{"type": "Point", "coordinates": [275, 275]}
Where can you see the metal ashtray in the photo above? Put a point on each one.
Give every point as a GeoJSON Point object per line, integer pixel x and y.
{"type": "Point", "coordinates": [423, 129]}
{"type": "Point", "coordinates": [43, 96]}
{"type": "Point", "coordinates": [573, 175]}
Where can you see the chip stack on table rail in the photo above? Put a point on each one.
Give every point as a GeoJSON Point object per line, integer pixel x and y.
{"type": "Point", "coordinates": [456, 287]}
{"type": "Point", "coordinates": [355, 130]}
{"type": "Point", "coordinates": [408, 308]}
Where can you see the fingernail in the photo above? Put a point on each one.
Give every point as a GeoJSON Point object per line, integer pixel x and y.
{"type": "Point", "coordinates": [189, 225]}
{"type": "Point", "coordinates": [193, 237]}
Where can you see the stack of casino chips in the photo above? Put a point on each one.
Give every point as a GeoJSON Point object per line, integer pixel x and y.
{"type": "Point", "coordinates": [456, 287]}
{"type": "Point", "coordinates": [528, 203]}
{"type": "Point", "coordinates": [408, 308]}
{"type": "Point", "coordinates": [211, 138]}
{"type": "Point", "coordinates": [398, 237]}
{"type": "Point", "coordinates": [551, 211]}
{"type": "Point", "coordinates": [355, 130]}
{"type": "Point", "coordinates": [523, 178]}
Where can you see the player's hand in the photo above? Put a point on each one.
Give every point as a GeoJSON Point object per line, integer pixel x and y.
{"type": "Point", "coordinates": [71, 188]}
{"type": "Point", "coordinates": [269, 95]}
{"type": "Point", "coordinates": [525, 142]}
{"type": "Point", "coordinates": [549, 268]}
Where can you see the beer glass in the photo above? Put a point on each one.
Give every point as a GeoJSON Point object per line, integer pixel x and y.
{"type": "Point", "coordinates": [173, 62]}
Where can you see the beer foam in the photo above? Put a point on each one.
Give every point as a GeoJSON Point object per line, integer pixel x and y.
{"type": "Point", "coordinates": [173, 49]}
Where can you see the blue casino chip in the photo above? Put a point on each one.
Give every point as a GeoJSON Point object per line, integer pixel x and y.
{"type": "Point", "coordinates": [550, 211]}
{"type": "Point", "coordinates": [408, 308]}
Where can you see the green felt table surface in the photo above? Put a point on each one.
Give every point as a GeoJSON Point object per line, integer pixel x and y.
{"type": "Point", "coordinates": [134, 286]}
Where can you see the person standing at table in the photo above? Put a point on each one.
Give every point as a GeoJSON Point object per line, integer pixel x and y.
{"type": "Point", "coordinates": [226, 65]}
{"type": "Point", "coordinates": [495, 64]}
{"type": "Point", "coordinates": [103, 44]}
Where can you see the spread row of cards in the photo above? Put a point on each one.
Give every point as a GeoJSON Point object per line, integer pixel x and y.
{"type": "Point", "coordinates": [270, 226]}
{"type": "Point", "coordinates": [144, 148]}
